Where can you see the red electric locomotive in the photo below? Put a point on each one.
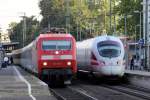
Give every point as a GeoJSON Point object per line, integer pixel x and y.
{"type": "Point", "coordinates": [51, 56]}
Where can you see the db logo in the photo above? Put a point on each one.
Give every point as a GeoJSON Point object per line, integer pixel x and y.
{"type": "Point", "coordinates": [56, 57]}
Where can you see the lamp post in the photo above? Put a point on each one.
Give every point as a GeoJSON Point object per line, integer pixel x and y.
{"type": "Point", "coordinates": [125, 32]}
{"type": "Point", "coordinates": [136, 36]}
{"type": "Point", "coordinates": [125, 23]}
{"type": "Point", "coordinates": [146, 51]}
{"type": "Point", "coordinates": [140, 12]}
{"type": "Point", "coordinates": [67, 16]}
{"type": "Point", "coordinates": [24, 27]}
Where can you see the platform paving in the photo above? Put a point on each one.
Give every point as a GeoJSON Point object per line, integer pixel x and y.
{"type": "Point", "coordinates": [138, 72]}
{"type": "Point", "coordinates": [17, 84]}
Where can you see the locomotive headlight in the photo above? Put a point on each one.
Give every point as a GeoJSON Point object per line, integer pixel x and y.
{"type": "Point", "coordinates": [69, 63]}
{"type": "Point", "coordinates": [56, 52]}
{"type": "Point", "coordinates": [45, 63]}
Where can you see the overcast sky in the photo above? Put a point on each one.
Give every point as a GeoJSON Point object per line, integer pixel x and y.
{"type": "Point", "coordinates": [10, 10]}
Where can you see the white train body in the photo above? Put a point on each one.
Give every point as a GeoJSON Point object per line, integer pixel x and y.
{"type": "Point", "coordinates": [103, 55]}
{"type": "Point", "coordinates": [26, 57]}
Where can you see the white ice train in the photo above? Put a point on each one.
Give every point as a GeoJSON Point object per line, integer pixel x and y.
{"type": "Point", "coordinates": [102, 56]}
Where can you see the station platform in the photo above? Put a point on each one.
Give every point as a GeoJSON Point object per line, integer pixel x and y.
{"type": "Point", "coordinates": [16, 84]}
{"type": "Point", "coordinates": [139, 78]}
{"type": "Point", "coordinates": [138, 72]}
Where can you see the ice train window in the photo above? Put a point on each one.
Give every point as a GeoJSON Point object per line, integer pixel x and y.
{"type": "Point", "coordinates": [109, 49]}
{"type": "Point", "coordinates": [56, 45]}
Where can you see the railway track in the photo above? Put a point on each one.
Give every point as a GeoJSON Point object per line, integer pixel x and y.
{"type": "Point", "coordinates": [104, 93]}
{"type": "Point", "coordinates": [139, 92]}
{"type": "Point", "coordinates": [132, 90]}
{"type": "Point", "coordinates": [70, 93]}
{"type": "Point", "coordinates": [86, 91]}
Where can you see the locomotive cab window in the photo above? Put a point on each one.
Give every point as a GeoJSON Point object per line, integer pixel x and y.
{"type": "Point", "coordinates": [109, 49]}
{"type": "Point", "coordinates": [56, 45]}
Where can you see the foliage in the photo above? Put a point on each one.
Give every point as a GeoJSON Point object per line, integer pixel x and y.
{"type": "Point", "coordinates": [83, 16]}
{"type": "Point", "coordinates": [86, 17]}
{"type": "Point", "coordinates": [126, 8]}
{"type": "Point", "coordinates": [53, 12]}
{"type": "Point", "coordinates": [16, 30]}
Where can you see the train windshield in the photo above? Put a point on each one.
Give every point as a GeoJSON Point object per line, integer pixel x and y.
{"type": "Point", "coordinates": [109, 49]}
{"type": "Point", "coordinates": [56, 45]}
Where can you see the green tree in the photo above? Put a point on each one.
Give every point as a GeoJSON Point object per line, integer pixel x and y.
{"type": "Point", "coordinates": [32, 27]}
{"type": "Point", "coordinates": [126, 8]}
{"type": "Point", "coordinates": [84, 15]}
{"type": "Point", "coordinates": [53, 12]}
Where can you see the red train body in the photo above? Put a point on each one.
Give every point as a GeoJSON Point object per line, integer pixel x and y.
{"type": "Point", "coordinates": [51, 56]}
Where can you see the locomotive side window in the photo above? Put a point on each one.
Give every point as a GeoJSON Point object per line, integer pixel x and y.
{"type": "Point", "coordinates": [56, 45]}
{"type": "Point", "coordinates": [109, 49]}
